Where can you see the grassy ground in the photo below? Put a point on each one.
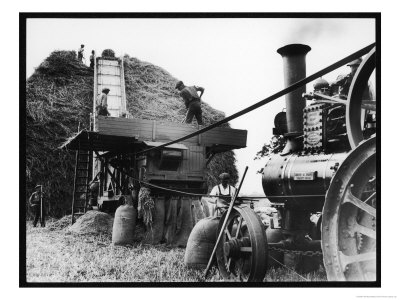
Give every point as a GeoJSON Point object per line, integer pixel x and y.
{"type": "Point", "coordinates": [60, 256]}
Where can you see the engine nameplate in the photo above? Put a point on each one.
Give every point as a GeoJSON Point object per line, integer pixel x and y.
{"type": "Point", "coordinates": [304, 176]}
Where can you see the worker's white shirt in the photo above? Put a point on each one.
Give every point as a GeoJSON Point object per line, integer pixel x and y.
{"type": "Point", "coordinates": [215, 190]}
{"type": "Point", "coordinates": [224, 191]}
{"type": "Point", "coordinates": [102, 99]}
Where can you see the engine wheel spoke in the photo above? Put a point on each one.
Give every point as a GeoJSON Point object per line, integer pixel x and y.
{"type": "Point", "coordinates": [346, 259]}
{"type": "Point", "coordinates": [228, 265]}
{"type": "Point", "coordinates": [239, 228]}
{"type": "Point", "coordinates": [373, 196]}
{"type": "Point", "coordinates": [365, 231]}
{"type": "Point", "coordinates": [228, 234]}
{"type": "Point", "coordinates": [350, 198]}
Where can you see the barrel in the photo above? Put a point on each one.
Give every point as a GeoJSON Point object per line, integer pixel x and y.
{"type": "Point", "coordinates": [201, 242]}
{"type": "Point", "coordinates": [124, 225]}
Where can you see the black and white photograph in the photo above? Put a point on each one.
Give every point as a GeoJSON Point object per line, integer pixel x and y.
{"type": "Point", "coordinates": [203, 149]}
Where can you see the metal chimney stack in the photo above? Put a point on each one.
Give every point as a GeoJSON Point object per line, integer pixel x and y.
{"type": "Point", "coordinates": [294, 69]}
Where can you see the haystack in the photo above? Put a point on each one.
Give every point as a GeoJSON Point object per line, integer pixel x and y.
{"type": "Point", "coordinates": [93, 222]}
{"type": "Point", "coordinates": [60, 224]}
{"type": "Point", "coordinates": [59, 95]}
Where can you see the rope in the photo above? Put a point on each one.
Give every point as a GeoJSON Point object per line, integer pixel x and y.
{"type": "Point", "coordinates": [275, 96]}
{"type": "Point", "coordinates": [305, 279]}
{"type": "Point", "coordinates": [253, 198]}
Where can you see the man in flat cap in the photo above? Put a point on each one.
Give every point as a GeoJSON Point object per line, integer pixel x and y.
{"type": "Point", "coordinates": [192, 101]}
{"type": "Point", "coordinates": [223, 189]}
{"type": "Point", "coordinates": [36, 202]}
{"type": "Point", "coordinates": [101, 107]}
{"type": "Point", "coordinates": [343, 82]}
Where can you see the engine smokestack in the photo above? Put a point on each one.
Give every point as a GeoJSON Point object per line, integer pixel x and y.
{"type": "Point", "coordinates": [294, 69]}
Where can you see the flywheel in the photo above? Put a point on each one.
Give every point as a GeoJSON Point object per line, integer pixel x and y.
{"type": "Point", "coordinates": [242, 251]}
{"type": "Point", "coordinates": [349, 218]}
{"type": "Point", "coordinates": [356, 104]}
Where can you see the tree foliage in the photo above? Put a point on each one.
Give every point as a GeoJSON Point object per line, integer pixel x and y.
{"type": "Point", "coordinates": [275, 145]}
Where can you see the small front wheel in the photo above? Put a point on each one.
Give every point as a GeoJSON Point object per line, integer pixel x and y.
{"type": "Point", "coordinates": [242, 250]}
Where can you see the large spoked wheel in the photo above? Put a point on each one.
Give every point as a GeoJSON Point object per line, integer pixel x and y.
{"type": "Point", "coordinates": [242, 251]}
{"type": "Point", "coordinates": [356, 102]}
{"type": "Point", "coordinates": [349, 218]}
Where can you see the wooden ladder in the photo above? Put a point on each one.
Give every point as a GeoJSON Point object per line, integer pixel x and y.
{"type": "Point", "coordinates": [81, 189]}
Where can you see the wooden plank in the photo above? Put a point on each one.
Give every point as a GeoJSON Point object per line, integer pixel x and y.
{"type": "Point", "coordinates": [196, 158]}
{"type": "Point", "coordinates": [126, 122]}
{"type": "Point", "coordinates": [168, 131]}
{"type": "Point", "coordinates": [170, 220]}
{"type": "Point", "coordinates": [228, 134]}
{"type": "Point", "coordinates": [226, 137]}
{"type": "Point", "coordinates": [184, 222]}
{"type": "Point", "coordinates": [163, 129]}
{"type": "Point", "coordinates": [124, 128]}
{"type": "Point", "coordinates": [141, 134]}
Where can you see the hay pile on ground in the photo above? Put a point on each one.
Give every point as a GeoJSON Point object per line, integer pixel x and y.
{"type": "Point", "coordinates": [60, 224]}
{"type": "Point", "coordinates": [93, 222]}
{"type": "Point", "coordinates": [59, 95]}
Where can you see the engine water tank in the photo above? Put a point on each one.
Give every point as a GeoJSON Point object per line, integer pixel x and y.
{"type": "Point", "coordinates": [300, 180]}
{"type": "Point", "coordinates": [201, 242]}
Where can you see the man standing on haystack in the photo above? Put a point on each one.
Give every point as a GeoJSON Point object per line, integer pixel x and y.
{"type": "Point", "coordinates": [192, 101]}
{"type": "Point", "coordinates": [80, 53]}
{"type": "Point", "coordinates": [223, 189]}
{"type": "Point", "coordinates": [102, 103]}
{"type": "Point", "coordinates": [92, 60]}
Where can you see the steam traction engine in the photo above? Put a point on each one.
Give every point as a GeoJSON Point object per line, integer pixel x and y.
{"type": "Point", "coordinates": [322, 184]}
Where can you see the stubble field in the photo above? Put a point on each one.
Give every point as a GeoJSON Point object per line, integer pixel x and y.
{"type": "Point", "coordinates": [58, 256]}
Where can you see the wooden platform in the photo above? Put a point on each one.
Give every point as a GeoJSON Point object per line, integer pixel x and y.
{"type": "Point", "coordinates": [161, 131]}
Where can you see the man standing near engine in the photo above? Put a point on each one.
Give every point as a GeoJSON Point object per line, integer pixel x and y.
{"type": "Point", "coordinates": [344, 82]}
{"type": "Point", "coordinates": [223, 189]}
{"type": "Point", "coordinates": [192, 101]}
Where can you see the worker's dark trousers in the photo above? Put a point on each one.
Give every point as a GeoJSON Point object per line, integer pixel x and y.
{"type": "Point", "coordinates": [102, 111]}
{"type": "Point", "coordinates": [194, 109]}
{"type": "Point", "coordinates": [36, 209]}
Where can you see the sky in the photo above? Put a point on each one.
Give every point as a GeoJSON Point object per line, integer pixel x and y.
{"type": "Point", "coordinates": [235, 60]}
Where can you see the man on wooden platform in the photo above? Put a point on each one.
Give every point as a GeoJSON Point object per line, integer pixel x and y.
{"type": "Point", "coordinates": [101, 107]}
{"type": "Point", "coordinates": [192, 101]}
